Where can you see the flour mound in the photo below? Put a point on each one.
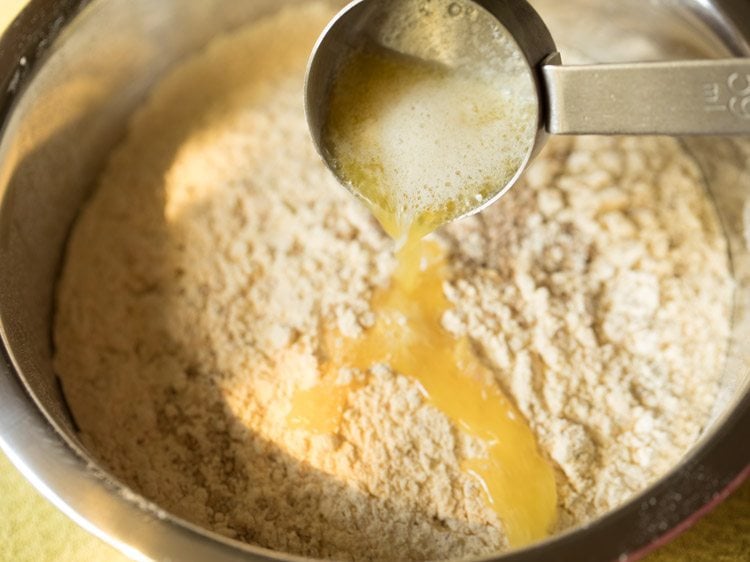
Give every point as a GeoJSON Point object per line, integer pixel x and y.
{"type": "Point", "coordinates": [199, 275]}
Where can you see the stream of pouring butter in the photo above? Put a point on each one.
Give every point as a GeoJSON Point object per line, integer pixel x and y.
{"type": "Point", "coordinates": [408, 334]}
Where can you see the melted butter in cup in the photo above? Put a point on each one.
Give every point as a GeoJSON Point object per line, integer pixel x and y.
{"type": "Point", "coordinates": [423, 143]}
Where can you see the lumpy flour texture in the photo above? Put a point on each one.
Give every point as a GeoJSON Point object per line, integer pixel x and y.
{"type": "Point", "coordinates": [216, 246]}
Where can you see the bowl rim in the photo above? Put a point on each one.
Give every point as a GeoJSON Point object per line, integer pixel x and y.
{"type": "Point", "coordinates": [74, 483]}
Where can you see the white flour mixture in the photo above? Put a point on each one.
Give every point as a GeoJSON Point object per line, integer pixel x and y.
{"type": "Point", "coordinates": [598, 291]}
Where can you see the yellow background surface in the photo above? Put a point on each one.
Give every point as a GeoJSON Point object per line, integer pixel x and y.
{"type": "Point", "coordinates": [32, 530]}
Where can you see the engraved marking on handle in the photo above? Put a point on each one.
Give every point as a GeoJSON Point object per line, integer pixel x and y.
{"type": "Point", "coordinates": [733, 97]}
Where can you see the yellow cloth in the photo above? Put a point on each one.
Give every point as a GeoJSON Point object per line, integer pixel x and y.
{"type": "Point", "coordinates": [33, 530]}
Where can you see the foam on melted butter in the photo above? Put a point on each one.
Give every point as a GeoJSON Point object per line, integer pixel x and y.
{"type": "Point", "coordinates": [408, 335]}
{"type": "Point", "coordinates": [423, 143]}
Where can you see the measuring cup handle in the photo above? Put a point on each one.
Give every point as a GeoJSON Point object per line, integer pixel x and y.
{"type": "Point", "coordinates": [709, 97]}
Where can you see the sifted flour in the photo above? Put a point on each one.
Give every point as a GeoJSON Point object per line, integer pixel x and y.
{"type": "Point", "coordinates": [216, 245]}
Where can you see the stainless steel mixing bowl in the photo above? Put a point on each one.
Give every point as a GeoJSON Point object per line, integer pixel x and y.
{"type": "Point", "coordinates": [71, 71]}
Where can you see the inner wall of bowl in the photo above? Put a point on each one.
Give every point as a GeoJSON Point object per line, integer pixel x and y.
{"type": "Point", "coordinates": [75, 109]}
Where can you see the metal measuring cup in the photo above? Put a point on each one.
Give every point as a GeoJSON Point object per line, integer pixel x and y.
{"type": "Point", "coordinates": [664, 98]}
